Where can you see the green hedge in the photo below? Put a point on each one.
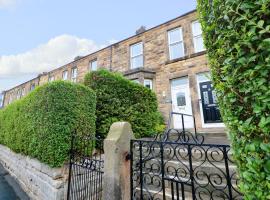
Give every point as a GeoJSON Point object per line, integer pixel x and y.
{"type": "Point", "coordinates": [119, 99]}
{"type": "Point", "coordinates": [40, 125]}
{"type": "Point", "coordinates": [237, 36]}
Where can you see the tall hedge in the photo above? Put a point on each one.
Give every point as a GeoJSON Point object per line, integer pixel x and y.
{"type": "Point", "coordinates": [119, 99]}
{"type": "Point", "coordinates": [237, 37]}
{"type": "Point", "coordinates": [40, 125]}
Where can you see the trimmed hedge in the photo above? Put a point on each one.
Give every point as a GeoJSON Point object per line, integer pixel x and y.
{"type": "Point", "coordinates": [237, 36]}
{"type": "Point", "coordinates": [119, 99]}
{"type": "Point", "coordinates": [40, 125]}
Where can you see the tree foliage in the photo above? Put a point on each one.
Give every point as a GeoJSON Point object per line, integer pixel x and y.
{"type": "Point", "coordinates": [237, 37]}
{"type": "Point", "coordinates": [40, 125]}
{"type": "Point", "coordinates": [119, 99]}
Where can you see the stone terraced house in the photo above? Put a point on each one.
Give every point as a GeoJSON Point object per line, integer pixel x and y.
{"type": "Point", "coordinates": [169, 58]}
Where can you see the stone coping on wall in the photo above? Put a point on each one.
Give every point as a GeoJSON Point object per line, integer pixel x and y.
{"type": "Point", "coordinates": [38, 180]}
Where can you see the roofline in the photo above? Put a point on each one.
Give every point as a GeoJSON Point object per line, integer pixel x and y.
{"type": "Point", "coordinates": [5, 91]}
{"type": "Point", "coordinates": [135, 35]}
{"type": "Point", "coordinates": [109, 46]}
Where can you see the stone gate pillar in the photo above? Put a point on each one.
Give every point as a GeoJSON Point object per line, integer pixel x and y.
{"type": "Point", "coordinates": [116, 182]}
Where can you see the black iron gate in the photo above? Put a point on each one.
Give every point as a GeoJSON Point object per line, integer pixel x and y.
{"type": "Point", "coordinates": [85, 169]}
{"type": "Point", "coordinates": [180, 165]}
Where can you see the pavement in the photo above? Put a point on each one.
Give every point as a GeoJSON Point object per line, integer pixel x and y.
{"type": "Point", "coordinates": [9, 188]}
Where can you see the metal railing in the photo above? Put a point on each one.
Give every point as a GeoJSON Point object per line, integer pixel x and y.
{"type": "Point", "coordinates": [85, 169]}
{"type": "Point", "coordinates": [180, 165]}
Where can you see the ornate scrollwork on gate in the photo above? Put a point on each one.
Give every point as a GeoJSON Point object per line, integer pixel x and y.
{"type": "Point", "coordinates": [179, 165]}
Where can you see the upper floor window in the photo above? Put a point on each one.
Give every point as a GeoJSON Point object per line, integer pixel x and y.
{"type": "Point", "coordinates": [19, 94]}
{"type": "Point", "coordinates": [148, 83]}
{"type": "Point", "coordinates": [32, 87]}
{"type": "Point", "coordinates": [65, 75]}
{"type": "Point", "coordinates": [136, 55]}
{"type": "Point", "coordinates": [176, 43]}
{"type": "Point", "coordinates": [197, 37]}
{"type": "Point", "coordinates": [74, 74]}
{"type": "Point", "coordinates": [93, 65]}
{"type": "Point", "coordinates": [23, 91]}
{"type": "Point", "coordinates": [1, 100]}
{"type": "Point", "coordinates": [51, 78]}
{"type": "Point", "coordinates": [10, 98]}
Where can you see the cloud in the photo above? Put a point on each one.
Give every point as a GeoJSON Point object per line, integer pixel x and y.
{"type": "Point", "coordinates": [56, 52]}
{"type": "Point", "coordinates": [7, 3]}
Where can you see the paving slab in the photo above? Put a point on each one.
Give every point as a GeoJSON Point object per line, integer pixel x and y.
{"type": "Point", "coordinates": [9, 188]}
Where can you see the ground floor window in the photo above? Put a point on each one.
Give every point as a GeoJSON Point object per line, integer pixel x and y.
{"type": "Point", "coordinates": [148, 83]}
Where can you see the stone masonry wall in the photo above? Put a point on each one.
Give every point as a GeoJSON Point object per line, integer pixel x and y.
{"type": "Point", "coordinates": [39, 181]}
{"type": "Point", "coordinates": [156, 59]}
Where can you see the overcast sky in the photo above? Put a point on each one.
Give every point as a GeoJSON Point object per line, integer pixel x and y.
{"type": "Point", "coordinates": [39, 35]}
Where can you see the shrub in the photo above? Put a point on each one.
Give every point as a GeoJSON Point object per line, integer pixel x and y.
{"type": "Point", "coordinates": [119, 99]}
{"type": "Point", "coordinates": [237, 36]}
{"type": "Point", "coordinates": [40, 125]}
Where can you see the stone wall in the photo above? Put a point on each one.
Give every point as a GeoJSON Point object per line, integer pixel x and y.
{"type": "Point", "coordinates": [157, 64]}
{"type": "Point", "coordinates": [39, 181]}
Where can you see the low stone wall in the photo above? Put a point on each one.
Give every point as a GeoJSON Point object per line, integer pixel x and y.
{"type": "Point", "coordinates": [39, 181]}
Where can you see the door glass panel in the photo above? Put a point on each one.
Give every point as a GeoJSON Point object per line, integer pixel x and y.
{"type": "Point", "coordinates": [181, 99]}
{"type": "Point", "coordinates": [205, 97]}
{"type": "Point", "coordinates": [214, 96]}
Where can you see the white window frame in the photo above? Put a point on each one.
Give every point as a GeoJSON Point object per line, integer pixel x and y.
{"type": "Point", "coordinates": [74, 75]}
{"type": "Point", "coordinates": [10, 100]}
{"type": "Point", "coordinates": [180, 41]}
{"type": "Point", "coordinates": [136, 55]}
{"type": "Point", "coordinates": [32, 86]}
{"type": "Point", "coordinates": [51, 78]}
{"type": "Point", "coordinates": [23, 92]}
{"type": "Point", "coordinates": [18, 94]}
{"type": "Point", "coordinates": [91, 65]}
{"type": "Point", "coordinates": [196, 36]}
{"type": "Point", "coordinates": [148, 81]}
{"type": "Point", "coordinates": [65, 75]}
{"type": "Point", "coordinates": [2, 96]}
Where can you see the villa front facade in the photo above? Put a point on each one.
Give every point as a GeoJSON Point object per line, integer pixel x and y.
{"type": "Point", "coordinates": [170, 59]}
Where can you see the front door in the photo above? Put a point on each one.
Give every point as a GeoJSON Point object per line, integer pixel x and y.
{"type": "Point", "coordinates": [181, 103]}
{"type": "Point", "coordinates": [210, 108]}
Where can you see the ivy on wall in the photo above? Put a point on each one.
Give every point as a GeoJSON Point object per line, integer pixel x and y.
{"type": "Point", "coordinates": [237, 37]}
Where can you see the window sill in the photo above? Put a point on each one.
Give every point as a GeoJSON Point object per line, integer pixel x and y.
{"type": "Point", "coordinates": [185, 57]}
{"type": "Point", "coordinates": [138, 70]}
